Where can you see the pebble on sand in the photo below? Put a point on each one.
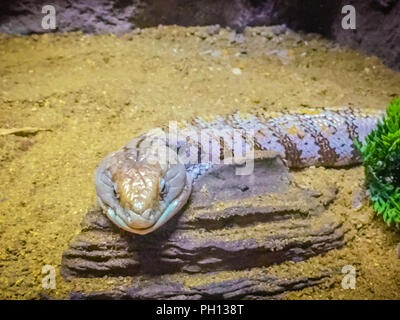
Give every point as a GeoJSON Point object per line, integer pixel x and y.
{"type": "Point", "coordinates": [237, 71]}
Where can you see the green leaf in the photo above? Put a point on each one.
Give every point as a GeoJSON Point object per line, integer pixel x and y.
{"type": "Point", "coordinates": [381, 155]}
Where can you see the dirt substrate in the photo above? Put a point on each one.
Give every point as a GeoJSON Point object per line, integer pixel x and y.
{"type": "Point", "coordinates": [95, 93]}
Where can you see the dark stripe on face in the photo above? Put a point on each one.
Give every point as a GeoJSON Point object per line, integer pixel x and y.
{"type": "Point", "coordinates": [142, 138]}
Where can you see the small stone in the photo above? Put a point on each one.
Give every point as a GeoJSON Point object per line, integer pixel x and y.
{"type": "Point", "coordinates": [359, 197]}
{"type": "Point", "coordinates": [213, 30]}
{"type": "Point", "coordinates": [213, 53]}
{"type": "Point", "coordinates": [278, 53]}
{"type": "Point", "coordinates": [279, 29]}
{"type": "Point", "coordinates": [237, 71]}
{"type": "Point", "coordinates": [236, 37]}
{"type": "Point", "coordinates": [136, 31]}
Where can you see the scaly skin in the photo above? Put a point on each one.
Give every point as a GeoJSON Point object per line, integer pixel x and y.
{"type": "Point", "coordinates": [144, 184]}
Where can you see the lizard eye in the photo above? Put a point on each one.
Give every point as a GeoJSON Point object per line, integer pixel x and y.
{"type": "Point", "coordinates": [116, 195]}
{"type": "Point", "coordinates": [163, 186]}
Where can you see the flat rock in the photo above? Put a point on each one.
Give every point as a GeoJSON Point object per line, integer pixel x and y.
{"type": "Point", "coordinates": [249, 224]}
{"type": "Point", "coordinates": [281, 222]}
{"type": "Point", "coordinates": [251, 287]}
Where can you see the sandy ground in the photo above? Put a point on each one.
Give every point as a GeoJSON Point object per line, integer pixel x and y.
{"type": "Point", "coordinates": [95, 93]}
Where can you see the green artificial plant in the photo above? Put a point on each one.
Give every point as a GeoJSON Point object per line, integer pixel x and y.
{"type": "Point", "coordinates": [381, 156]}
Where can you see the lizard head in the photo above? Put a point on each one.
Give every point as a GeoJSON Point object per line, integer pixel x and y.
{"type": "Point", "coordinates": [139, 195]}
